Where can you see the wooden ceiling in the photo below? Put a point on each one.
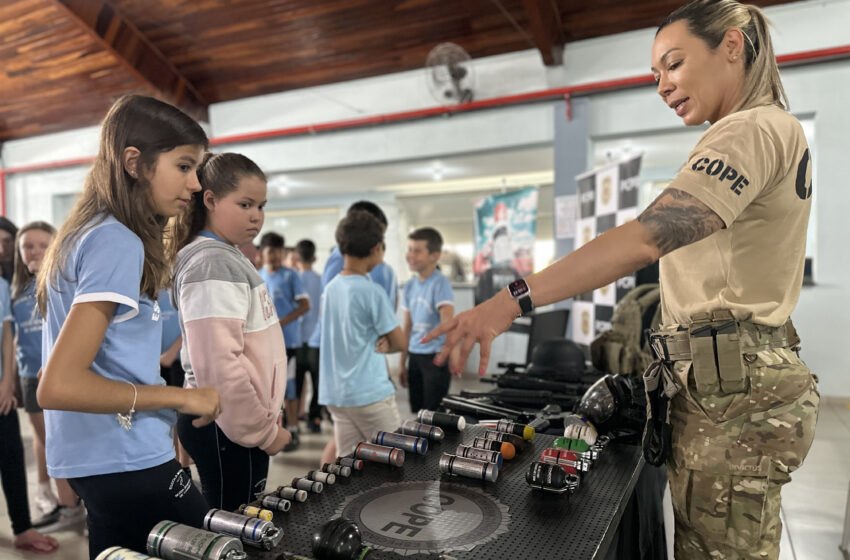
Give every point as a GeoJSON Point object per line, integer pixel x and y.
{"type": "Point", "coordinates": [63, 62]}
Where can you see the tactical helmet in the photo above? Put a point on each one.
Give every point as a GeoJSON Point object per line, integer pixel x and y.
{"type": "Point", "coordinates": [557, 358]}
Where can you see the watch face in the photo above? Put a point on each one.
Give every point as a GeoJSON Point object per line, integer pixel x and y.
{"type": "Point", "coordinates": [518, 288]}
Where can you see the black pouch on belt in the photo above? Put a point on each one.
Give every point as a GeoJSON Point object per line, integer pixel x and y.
{"type": "Point", "coordinates": [657, 433]}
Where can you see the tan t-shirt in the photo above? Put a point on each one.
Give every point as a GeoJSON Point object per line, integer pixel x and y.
{"type": "Point", "coordinates": [753, 169]}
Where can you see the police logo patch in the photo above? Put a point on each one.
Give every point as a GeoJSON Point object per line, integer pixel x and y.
{"type": "Point", "coordinates": [426, 517]}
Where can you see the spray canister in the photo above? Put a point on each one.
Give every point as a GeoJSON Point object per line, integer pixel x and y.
{"type": "Point", "coordinates": [252, 531]}
{"type": "Point", "coordinates": [274, 502]}
{"type": "Point", "coordinates": [337, 470]}
{"type": "Point", "coordinates": [120, 553]}
{"type": "Point", "coordinates": [379, 454]}
{"type": "Point", "coordinates": [411, 428]}
{"type": "Point", "coordinates": [444, 420]}
{"type": "Point", "coordinates": [411, 444]}
{"type": "Point", "coordinates": [175, 541]}
{"type": "Point", "coordinates": [292, 494]}
{"type": "Point", "coordinates": [470, 468]}
{"type": "Point", "coordinates": [254, 511]}
{"type": "Point", "coordinates": [479, 454]}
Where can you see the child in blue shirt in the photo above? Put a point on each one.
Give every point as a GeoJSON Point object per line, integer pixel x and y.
{"type": "Point", "coordinates": [307, 357]}
{"type": "Point", "coordinates": [428, 301]}
{"type": "Point", "coordinates": [290, 302]}
{"type": "Point", "coordinates": [357, 323]}
{"type": "Point", "coordinates": [30, 247]}
{"type": "Point", "coordinates": [13, 470]}
{"type": "Point", "coordinates": [108, 414]}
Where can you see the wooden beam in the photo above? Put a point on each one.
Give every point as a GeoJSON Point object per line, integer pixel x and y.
{"type": "Point", "coordinates": [544, 20]}
{"type": "Point", "coordinates": [132, 49]}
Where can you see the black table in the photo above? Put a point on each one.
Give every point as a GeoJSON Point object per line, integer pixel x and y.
{"type": "Point", "coordinates": [398, 513]}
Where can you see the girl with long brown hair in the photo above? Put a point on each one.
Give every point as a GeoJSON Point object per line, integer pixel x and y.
{"type": "Point", "coordinates": [108, 415]}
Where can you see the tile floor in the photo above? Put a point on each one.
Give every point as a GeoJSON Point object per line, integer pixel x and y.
{"type": "Point", "coordinates": [813, 505]}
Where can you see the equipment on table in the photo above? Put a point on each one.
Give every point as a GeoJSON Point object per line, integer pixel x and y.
{"type": "Point", "coordinates": [550, 478]}
{"type": "Point", "coordinates": [578, 427]}
{"type": "Point", "coordinates": [557, 359]}
{"type": "Point", "coordinates": [120, 553]}
{"type": "Point", "coordinates": [446, 421]}
{"type": "Point", "coordinates": [339, 539]}
{"type": "Point", "coordinates": [250, 530]}
{"type": "Point", "coordinates": [470, 468]}
{"type": "Point", "coordinates": [290, 493]}
{"type": "Point", "coordinates": [615, 403]}
{"type": "Point", "coordinates": [175, 541]}
{"type": "Point", "coordinates": [379, 454]}
{"type": "Point", "coordinates": [259, 513]}
{"type": "Point", "coordinates": [411, 428]}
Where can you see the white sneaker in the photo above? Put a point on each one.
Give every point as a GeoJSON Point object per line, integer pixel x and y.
{"type": "Point", "coordinates": [45, 500]}
{"type": "Point", "coordinates": [69, 517]}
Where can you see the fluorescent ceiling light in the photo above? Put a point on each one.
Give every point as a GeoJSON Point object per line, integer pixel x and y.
{"type": "Point", "coordinates": [490, 182]}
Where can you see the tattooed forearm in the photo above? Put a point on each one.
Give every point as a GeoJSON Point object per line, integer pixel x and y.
{"type": "Point", "coordinates": [676, 219]}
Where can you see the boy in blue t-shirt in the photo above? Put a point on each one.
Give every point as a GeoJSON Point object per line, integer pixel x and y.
{"type": "Point", "coordinates": [428, 301]}
{"type": "Point", "coordinates": [358, 323]}
{"type": "Point", "coordinates": [307, 357]}
{"type": "Point", "coordinates": [290, 302]}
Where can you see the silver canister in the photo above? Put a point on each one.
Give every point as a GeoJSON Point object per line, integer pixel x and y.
{"type": "Point", "coordinates": [479, 454]}
{"type": "Point", "coordinates": [252, 531]}
{"type": "Point", "coordinates": [308, 485]}
{"type": "Point", "coordinates": [121, 553]}
{"type": "Point", "coordinates": [442, 419]}
{"type": "Point", "coordinates": [411, 444]}
{"type": "Point", "coordinates": [175, 541]}
{"type": "Point", "coordinates": [470, 468]}
{"type": "Point", "coordinates": [379, 454]}
{"type": "Point", "coordinates": [276, 503]}
{"type": "Point", "coordinates": [323, 477]}
{"type": "Point", "coordinates": [338, 470]}
{"type": "Point", "coordinates": [413, 428]}
{"type": "Point", "coordinates": [514, 439]}
{"type": "Point", "coordinates": [489, 444]}
{"type": "Point", "coordinates": [351, 462]}
{"type": "Point", "coordinates": [290, 493]}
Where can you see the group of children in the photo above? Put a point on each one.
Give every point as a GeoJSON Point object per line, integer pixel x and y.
{"type": "Point", "coordinates": [148, 265]}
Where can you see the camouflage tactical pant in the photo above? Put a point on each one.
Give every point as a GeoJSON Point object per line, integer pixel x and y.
{"type": "Point", "coordinates": [731, 454]}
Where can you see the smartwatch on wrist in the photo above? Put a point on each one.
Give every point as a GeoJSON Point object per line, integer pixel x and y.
{"type": "Point", "coordinates": [520, 291]}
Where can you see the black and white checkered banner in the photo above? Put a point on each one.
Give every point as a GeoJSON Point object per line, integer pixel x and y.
{"type": "Point", "coordinates": [607, 198]}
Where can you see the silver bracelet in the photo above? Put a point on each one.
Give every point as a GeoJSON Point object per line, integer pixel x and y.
{"type": "Point", "coordinates": [126, 420]}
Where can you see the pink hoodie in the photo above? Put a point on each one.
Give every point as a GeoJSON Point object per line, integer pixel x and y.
{"type": "Point", "coordinates": [231, 338]}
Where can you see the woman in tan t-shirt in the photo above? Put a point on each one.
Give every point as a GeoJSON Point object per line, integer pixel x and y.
{"type": "Point", "coordinates": [730, 232]}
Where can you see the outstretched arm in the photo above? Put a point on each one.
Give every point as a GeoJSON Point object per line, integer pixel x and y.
{"type": "Point", "coordinates": [673, 220]}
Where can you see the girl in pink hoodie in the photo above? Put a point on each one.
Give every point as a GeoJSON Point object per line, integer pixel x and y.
{"type": "Point", "coordinates": [232, 339]}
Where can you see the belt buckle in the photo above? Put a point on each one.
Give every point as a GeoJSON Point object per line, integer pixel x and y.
{"type": "Point", "coordinates": [658, 342]}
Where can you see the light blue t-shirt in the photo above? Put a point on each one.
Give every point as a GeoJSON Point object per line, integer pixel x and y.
{"type": "Point", "coordinates": [355, 312]}
{"type": "Point", "coordinates": [383, 275]}
{"type": "Point", "coordinates": [285, 288]}
{"type": "Point", "coordinates": [28, 325]}
{"type": "Point", "coordinates": [105, 264]}
{"type": "Point", "coordinates": [170, 321]}
{"type": "Point", "coordinates": [312, 283]}
{"type": "Point", "coordinates": [5, 310]}
{"type": "Point", "coordinates": [423, 300]}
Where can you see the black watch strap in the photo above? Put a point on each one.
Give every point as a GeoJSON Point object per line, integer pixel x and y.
{"type": "Point", "coordinates": [520, 291]}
